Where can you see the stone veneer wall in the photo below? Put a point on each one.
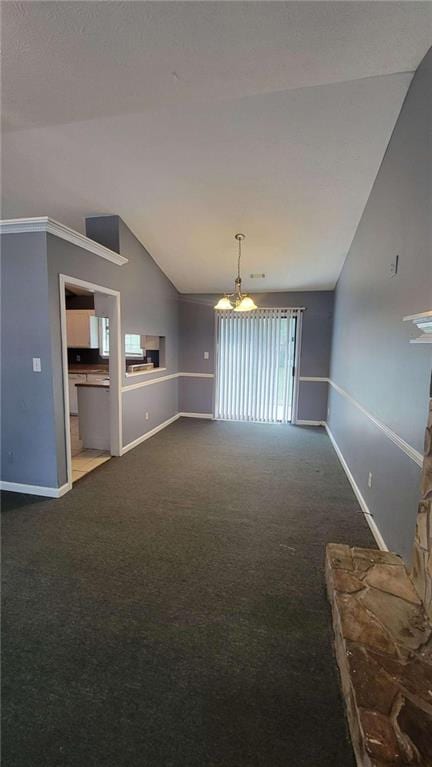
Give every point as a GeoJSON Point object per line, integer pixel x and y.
{"type": "Point", "coordinates": [383, 641]}
{"type": "Point", "coordinates": [421, 572]}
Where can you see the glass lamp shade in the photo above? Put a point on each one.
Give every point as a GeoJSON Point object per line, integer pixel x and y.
{"type": "Point", "coordinates": [245, 305]}
{"type": "Point", "coordinates": [224, 303]}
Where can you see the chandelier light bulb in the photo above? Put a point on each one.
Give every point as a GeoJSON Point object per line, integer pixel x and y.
{"type": "Point", "coordinates": [246, 305]}
{"type": "Point", "coordinates": [224, 304]}
{"type": "Point", "coordinates": [241, 303]}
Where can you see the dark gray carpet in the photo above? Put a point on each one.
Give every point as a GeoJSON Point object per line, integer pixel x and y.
{"type": "Point", "coordinates": [170, 610]}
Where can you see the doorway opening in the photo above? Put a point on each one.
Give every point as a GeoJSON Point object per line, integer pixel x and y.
{"type": "Point", "coordinates": [91, 379]}
{"type": "Point", "coordinates": [257, 368]}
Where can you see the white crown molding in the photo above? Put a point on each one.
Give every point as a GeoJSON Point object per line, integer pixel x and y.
{"type": "Point", "coordinates": [423, 322]}
{"type": "Point", "coordinates": [410, 451]}
{"type": "Point", "coordinates": [48, 225]}
{"type": "Point", "coordinates": [47, 492]}
{"type": "Point", "coordinates": [363, 505]}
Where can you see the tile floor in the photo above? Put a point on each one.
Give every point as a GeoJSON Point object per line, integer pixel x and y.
{"type": "Point", "coordinates": [83, 460]}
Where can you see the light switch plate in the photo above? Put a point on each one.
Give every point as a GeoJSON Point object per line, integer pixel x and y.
{"type": "Point", "coordinates": [206, 355]}
{"type": "Point", "coordinates": [37, 365]}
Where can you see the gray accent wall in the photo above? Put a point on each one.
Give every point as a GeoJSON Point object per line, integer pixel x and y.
{"type": "Point", "coordinates": [149, 306]}
{"type": "Point", "coordinates": [28, 432]}
{"type": "Point", "coordinates": [196, 395]}
{"type": "Point", "coordinates": [33, 430]}
{"type": "Point", "coordinates": [197, 335]}
{"type": "Point", "coordinates": [372, 359]}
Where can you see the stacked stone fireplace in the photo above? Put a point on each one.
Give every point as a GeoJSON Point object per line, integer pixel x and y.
{"type": "Point", "coordinates": [382, 615]}
{"type": "Point", "coordinates": [422, 553]}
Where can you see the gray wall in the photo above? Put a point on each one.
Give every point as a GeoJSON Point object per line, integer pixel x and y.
{"type": "Point", "coordinates": [149, 305]}
{"type": "Point", "coordinates": [28, 425]}
{"type": "Point", "coordinates": [32, 403]}
{"type": "Point", "coordinates": [372, 358]}
{"type": "Point", "coordinates": [197, 335]}
{"type": "Point", "coordinates": [34, 440]}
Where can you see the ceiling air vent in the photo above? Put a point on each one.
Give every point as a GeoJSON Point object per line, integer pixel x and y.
{"type": "Point", "coordinates": [257, 276]}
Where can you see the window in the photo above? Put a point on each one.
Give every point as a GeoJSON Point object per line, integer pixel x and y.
{"type": "Point", "coordinates": [133, 345]}
{"type": "Point", "coordinates": [104, 337]}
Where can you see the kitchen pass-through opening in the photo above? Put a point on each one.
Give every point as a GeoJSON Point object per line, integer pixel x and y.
{"type": "Point", "coordinates": [256, 365]}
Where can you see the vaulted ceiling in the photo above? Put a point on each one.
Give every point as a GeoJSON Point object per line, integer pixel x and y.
{"type": "Point", "coordinates": [195, 120]}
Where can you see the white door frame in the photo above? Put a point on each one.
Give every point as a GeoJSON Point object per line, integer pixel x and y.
{"type": "Point", "coordinates": [297, 357]}
{"type": "Point", "coordinates": [115, 367]}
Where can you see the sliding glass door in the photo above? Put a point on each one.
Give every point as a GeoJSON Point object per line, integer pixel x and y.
{"type": "Point", "coordinates": [255, 365]}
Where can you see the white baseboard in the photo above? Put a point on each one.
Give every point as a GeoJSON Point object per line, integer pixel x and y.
{"type": "Point", "coordinates": [363, 505]}
{"type": "Point", "coordinates": [161, 426]}
{"type": "Point", "coordinates": [149, 434]}
{"type": "Point", "coordinates": [57, 492]}
{"type": "Point", "coordinates": [308, 423]}
{"type": "Point", "coordinates": [47, 492]}
{"type": "Point", "coordinates": [196, 415]}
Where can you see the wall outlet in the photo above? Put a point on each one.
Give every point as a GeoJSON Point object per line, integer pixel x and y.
{"type": "Point", "coordinates": [37, 368]}
{"type": "Point", "coordinates": [146, 416]}
{"type": "Point", "coordinates": [370, 479]}
{"type": "Point", "coordinates": [78, 358]}
{"type": "Point", "coordinates": [206, 355]}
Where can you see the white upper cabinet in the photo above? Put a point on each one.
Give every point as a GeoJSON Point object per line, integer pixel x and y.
{"type": "Point", "coordinates": [82, 329]}
{"type": "Point", "coordinates": [151, 343]}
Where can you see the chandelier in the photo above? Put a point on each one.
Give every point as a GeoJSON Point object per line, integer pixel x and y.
{"type": "Point", "coordinates": [238, 301]}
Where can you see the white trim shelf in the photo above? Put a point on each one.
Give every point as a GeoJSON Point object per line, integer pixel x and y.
{"type": "Point", "coordinates": [49, 226]}
{"type": "Point", "coordinates": [196, 375]}
{"type": "Point", "coordinates": [408, 449]}
{"type": "Point", "coordinates": [168, 377]}
{"type": "Point", "coordinates": [423, 321]}
{"type": "Point", "coordinates": [145, 372]}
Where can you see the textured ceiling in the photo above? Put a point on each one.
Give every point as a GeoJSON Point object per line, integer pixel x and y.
{"type": "Point", "coordinates": [196, 120]}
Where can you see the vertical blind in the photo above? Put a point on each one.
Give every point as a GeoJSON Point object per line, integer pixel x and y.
{"type": "Point", "coordinates": [255, 365]}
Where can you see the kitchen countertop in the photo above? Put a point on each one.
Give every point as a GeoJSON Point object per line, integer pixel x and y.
{"type": "Point", "coordinates": [77, 368]}
{"type": "Point", "coordinates": [93, 384]}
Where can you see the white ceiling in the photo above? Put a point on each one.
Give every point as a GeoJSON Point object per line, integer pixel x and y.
{"type": "Point", "coordinates": [196, 120]}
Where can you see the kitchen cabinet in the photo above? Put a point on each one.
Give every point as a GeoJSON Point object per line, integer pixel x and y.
{"type": "Point", "coordinates": [77, 378]}
{"type": "Point", "coordinates": [82, 329]}
{"type": "Point", "coordinates": [94, 416]}
{"type": "Point", "coordinates": [74, 378]}
{"type": "Point", "coordinates": [97, 377]}
{"type": "Point", "coordinates": [151, 343]}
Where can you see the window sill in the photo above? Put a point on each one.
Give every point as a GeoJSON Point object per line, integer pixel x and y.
{"type": "Point", "coordinates": [144, 372]}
